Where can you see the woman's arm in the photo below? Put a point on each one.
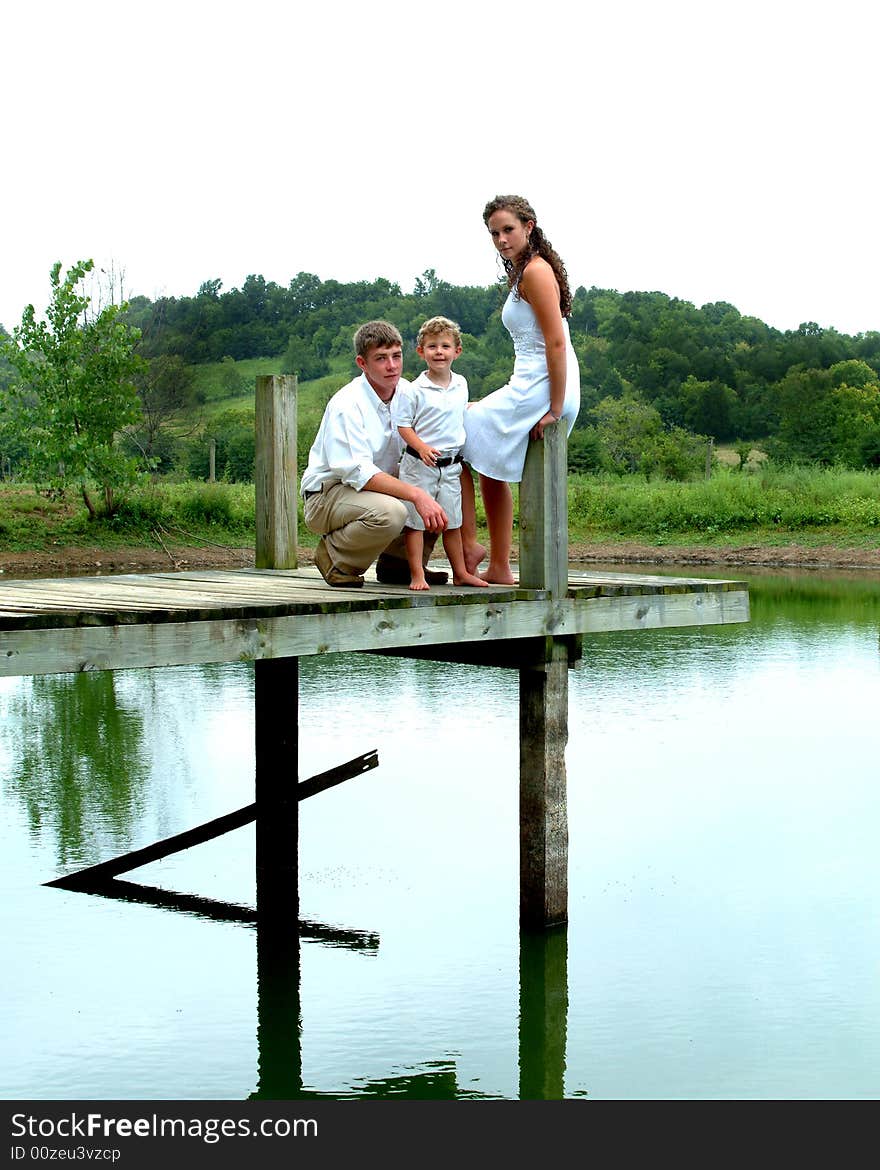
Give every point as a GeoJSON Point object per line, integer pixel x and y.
{"type": "Point", "coordinates": [538, 286]}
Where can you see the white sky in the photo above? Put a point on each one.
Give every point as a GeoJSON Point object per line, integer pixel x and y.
{"type": "Point", "coordinates": [712, 151]}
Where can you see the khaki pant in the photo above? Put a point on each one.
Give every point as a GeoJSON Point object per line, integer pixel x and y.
{"type": "Point", "coordinates": [356, 526]}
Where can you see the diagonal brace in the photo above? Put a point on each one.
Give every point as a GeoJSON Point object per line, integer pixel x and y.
{"type": "Point", "coordinates": [104, 870]}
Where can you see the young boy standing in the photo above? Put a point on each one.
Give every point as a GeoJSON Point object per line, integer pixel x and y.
{"type": "Point", "coordinates": [429, 414]}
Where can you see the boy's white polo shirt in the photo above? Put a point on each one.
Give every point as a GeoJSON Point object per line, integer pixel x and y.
{"type": "Point", "coordinates": [435, 413]}
{"type": "Point", "coordinates": [356, 439]}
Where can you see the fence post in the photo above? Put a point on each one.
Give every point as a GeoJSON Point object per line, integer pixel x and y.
{"type": "Point", "coordinates": [275, 472]}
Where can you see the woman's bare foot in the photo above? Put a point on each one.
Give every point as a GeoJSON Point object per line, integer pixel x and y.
{"type": "Point", "coordinates": [419, 583]}
{"type": "Point", "coordinates": [498, 574]}
{"type": "Point", "coordinates": [468, 579]}
{"type": "Point", "coordinates": [474, 555]}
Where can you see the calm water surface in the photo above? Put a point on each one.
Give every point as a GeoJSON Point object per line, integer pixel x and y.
{"type": "Point", "coordinates": [724, 936]}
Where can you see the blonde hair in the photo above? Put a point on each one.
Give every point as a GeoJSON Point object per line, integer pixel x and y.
{"type": "Point", "coordinates": [375, 333]}
{"type": "Point", "coordinates": [437, 325]}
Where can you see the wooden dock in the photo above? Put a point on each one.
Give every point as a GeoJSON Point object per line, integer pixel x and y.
{"type": "Point", "coordinates": [171, 619]}
{"type": "Point", "coordinates": [276, 614]}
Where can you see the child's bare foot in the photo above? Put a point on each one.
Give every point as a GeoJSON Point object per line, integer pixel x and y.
{"type": "Point", "coordinates": [467, 579]}
{"type": "Point", "coordinates": [474, 555]}
{"type": "Point", "coordinates": [498, 575]}
{"type": "Point", "coordinates": [419, 583]}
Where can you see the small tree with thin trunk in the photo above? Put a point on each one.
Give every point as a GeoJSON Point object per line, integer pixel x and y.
{"type": "Point", "coordinates": [76, 373]}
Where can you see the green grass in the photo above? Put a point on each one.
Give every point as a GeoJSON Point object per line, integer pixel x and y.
{"type": "Point", "coordinates": [211, 377]}
{"type": "Point", "coordinates": [842, 505]}
{"type": "Point", "coordinates": [768, 507]}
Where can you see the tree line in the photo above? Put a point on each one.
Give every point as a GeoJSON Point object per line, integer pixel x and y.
{"type": "Point", "coordinates": [659, 375]}
{"type": "Point", "coordinates": [707, 370]}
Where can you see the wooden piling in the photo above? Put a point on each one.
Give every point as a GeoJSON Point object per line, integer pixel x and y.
{"type": "Point", "coordinates": [276, 709]}
{"type": "Point", "coordinates": [543, 514]}
{"type": "Point", "coordinates": [543, 812]}
{"type": "Point", "coordinates": [275, 471]}
{"type": "Point", "coordinates": [543, 690]}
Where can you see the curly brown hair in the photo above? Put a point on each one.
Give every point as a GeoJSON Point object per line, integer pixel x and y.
{"type": "Point", "coordinates": [538, 245]}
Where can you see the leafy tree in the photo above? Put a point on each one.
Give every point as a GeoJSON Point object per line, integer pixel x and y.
{"type": "Point", "coordinates": [744, 453]}
{"type": "Point", "coordinates": [585, 450]}
{"type": "Point", "coordinates": [806, 416]}
{"type": "Point", "coordinates": [634, 439]}
{"type": "Point", "coordinates": [77, 372]}
{"type": "Point", "coordinates": [856, 422]}
{"type": "Point", "coordinates": [709, 407]}
{"type": "Point", "coordinates": [232, 380]}
{"type": "Point", "coordinates": [829, 415]}
{"type": "Point", "coordinates": [233, 433]}
{"type": "Point", "coordinates": [166, 388]}
{"type": "Point", "coordinates": [300, 359]}
{"type": "Point", "coordinates": [627, 428]}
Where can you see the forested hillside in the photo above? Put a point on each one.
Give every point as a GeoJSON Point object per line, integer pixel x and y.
{"type": "Point", "coordinates": [659, 375]}
{"type": "Point", "coordinates": [708, 370]}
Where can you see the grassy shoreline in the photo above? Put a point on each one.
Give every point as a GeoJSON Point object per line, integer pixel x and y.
{"type": "Point", "coordinates": [816, 516]}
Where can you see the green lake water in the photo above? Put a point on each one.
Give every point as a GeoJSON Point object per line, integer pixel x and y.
{"type": "Point", "coordinates": [724, 934]}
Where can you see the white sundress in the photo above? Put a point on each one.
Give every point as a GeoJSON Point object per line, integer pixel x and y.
{"type": "Point", "coordinates": [498, 426]}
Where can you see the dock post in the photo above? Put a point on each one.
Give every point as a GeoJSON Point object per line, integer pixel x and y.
{"type": "Point", "coordinates": [276, 709]}
{"type": "Point", "coordinates": [543, 690]}
{"type": "Point", "coordinates": [275, 471]}
{"type": "Point", "coordinates": [277, 824]}
{"type": "Point", "coordinates": [543, 514]}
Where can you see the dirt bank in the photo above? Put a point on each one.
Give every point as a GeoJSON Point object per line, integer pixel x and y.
{"type": "Point", "coordinates": [58, 562]}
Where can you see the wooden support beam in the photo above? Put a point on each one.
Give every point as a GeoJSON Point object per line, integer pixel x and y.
{"type": "Point", "coordinates": [543, 688]}
{"type": "Point", "coordinates": [543, 733]}
{"type": "Point", "coordinates": [508, 654]}
{"type": "Point", "coordinates": [279, 1024]}
{"type": "Point", "coordinates": [276, 712]}
{"type": "Point", "coordinates": [543, 514]}
{"type": "Point", "coordinates": [391, 622]}
{"type": "Point", "coordinates": [275, 471]}
{"type": "Point", "coordinates": [96, 875]}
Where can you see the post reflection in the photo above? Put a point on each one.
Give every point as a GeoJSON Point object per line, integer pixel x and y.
{"type": "Point", "coordinates": [543, 1020]}
{"type": "Point", "coordinates": [543, 1013]}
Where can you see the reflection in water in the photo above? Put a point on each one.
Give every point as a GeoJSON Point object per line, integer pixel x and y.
{"type": "Point", "coordinates": [723, 806]}
{"type": "Point", "coordinates": [543, 1005]}
{"type": "Point", "coordinates": [542, 1031]}
{"type": "Point", "coordinates": [81, 767]}
{"type": "Point", "coordinates": [543, 1014]}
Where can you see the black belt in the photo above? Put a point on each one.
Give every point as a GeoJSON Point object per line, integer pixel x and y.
{"type": "Point", "coordinates": [443, 461]}
{"type": "Point", "coordinates": [316, 492]}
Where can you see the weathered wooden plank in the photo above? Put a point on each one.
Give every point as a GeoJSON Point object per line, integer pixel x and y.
{"type": "Point", "coordinates": [543, 816]}
{"type": "Point", "coordinates": [169, 643]}
{"type": "Point", "coordinates": [543, 514]}
{"type": "Point", "coordinates": [131, 603]}
{"type": "Point", "coordinates": [275, 471]}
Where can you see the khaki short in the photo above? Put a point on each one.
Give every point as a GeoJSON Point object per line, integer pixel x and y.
{"type": "Point", "coordinates": [442, 484]}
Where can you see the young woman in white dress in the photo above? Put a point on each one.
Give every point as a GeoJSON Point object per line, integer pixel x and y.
{"type": "Point", "coordinates": [544, 389]}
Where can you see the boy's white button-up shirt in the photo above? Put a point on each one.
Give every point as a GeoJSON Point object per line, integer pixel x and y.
{"type": "Point", "coordinates": [356, 439]}
{"type": "Point", "coordinates": [435, 413]}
